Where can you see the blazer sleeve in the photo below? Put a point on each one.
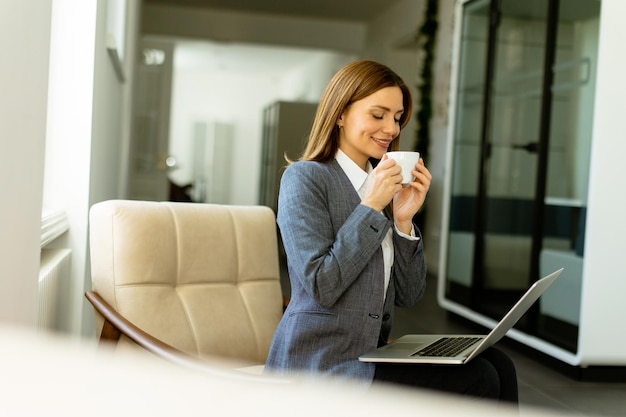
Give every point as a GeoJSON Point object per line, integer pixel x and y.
{"type": "Point", "coordinates": [409, 270]}
{"type": "Point", "coordinates": [328, 237]}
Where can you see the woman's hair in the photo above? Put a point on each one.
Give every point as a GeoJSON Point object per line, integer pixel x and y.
{"type": "Point", "coordinates": [351, 83]}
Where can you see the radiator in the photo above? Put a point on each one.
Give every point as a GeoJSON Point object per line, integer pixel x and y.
{"type": "Point", "coordinates": [54, 286]}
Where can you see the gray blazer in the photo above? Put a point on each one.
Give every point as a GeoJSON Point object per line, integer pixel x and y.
{"type": "Point", "coordinates": [334, 256]}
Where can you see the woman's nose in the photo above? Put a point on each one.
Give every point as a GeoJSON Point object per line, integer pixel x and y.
{"type": "Point", "coordinates": [391, 127]}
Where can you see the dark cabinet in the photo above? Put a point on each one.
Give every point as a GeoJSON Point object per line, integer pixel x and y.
{"type": "Point", "coordinates": [286, 127]}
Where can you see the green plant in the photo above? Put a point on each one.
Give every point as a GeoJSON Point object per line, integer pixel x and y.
{"type": "Point", "coordinates": [426, 37]}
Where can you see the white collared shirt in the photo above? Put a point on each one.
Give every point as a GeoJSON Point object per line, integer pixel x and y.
{"type": "Point", "coordinates": [358, 177]}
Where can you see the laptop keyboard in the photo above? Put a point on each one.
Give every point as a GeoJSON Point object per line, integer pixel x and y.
{"type": "Point", "coordinates": [447, 346]}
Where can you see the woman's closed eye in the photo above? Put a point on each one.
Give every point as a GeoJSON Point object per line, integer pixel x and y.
{"type": "Point", "coordinates": [377, 117]}
{"type": "Point", "coordinates": [382, 116]}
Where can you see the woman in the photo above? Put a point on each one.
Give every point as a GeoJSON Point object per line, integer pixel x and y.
{"type": "Point", "coordinates": [353, 252]}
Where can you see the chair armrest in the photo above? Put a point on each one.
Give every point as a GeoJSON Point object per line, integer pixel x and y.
{"type": "Point", "coordinates": [116, 324]}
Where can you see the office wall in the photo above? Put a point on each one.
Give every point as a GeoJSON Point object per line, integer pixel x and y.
{"type": "Point", "coordinates": [605, 264]}
{"type": "Point", "coordinates": [24, 27]}
{"type": "Point", "coordinates": [70, 109]}
{"type": "Point", "coordinates": [110, 139]}
{"type": "Point", "coordinates": [238, 100]}
{"type": "Point", "coordinates": [84, 122]}
{"type": "Point", "coordinates": [86, 131]}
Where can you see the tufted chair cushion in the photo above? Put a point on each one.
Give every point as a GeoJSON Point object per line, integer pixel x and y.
{"type": "Point", "coordinates": [203, 278]}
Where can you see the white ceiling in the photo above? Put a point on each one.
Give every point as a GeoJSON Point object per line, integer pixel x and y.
{"type": "Point", "coordinates": [350, 10]}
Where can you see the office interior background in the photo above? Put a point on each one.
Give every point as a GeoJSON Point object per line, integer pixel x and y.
{"type": "Point", "coordinates": [68, 82]}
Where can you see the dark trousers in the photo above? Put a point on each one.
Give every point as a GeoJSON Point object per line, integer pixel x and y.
{"type": "Point", "coordinates": [490, 375]}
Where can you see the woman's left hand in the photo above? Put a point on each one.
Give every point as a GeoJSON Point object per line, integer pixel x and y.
{"type": "Point", "coordinates": [411, 198]}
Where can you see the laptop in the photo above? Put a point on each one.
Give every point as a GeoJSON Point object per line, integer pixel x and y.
{"type": "Point", "coordinates": [456, 349]}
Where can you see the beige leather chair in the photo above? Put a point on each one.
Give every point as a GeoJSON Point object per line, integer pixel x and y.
{"type": "Point", "coordinates": [186, 281]}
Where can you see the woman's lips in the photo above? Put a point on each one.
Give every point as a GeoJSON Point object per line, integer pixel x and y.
{"type": "Point", "coordinates": [382, 142]}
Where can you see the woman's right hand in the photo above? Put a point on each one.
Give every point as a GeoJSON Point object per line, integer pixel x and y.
{"type": "Point", "coordinates": [382, 184]}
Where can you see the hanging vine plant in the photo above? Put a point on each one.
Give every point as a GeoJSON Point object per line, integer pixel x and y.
{"type": "Point", "coordinates": [426, 37]}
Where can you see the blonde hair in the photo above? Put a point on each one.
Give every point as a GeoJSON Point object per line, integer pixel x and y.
{"type": "Point", "coordinates": [351, 83]}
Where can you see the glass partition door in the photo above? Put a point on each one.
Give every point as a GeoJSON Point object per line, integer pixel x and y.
{"type": "Point", "coordinates": [521, 136]}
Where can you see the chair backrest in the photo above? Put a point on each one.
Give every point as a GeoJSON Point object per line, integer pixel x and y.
{"type": "Point", "coordinates": [202, 277]}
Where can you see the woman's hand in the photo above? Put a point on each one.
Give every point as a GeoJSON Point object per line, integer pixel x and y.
{"type": "Point", "coordinates": [382, 184]}
{"type": "Point", "coordinates": [410, 199]}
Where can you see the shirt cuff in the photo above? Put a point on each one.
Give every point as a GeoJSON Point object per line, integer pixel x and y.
{"type": "Point", "coordinates": [404, 235]}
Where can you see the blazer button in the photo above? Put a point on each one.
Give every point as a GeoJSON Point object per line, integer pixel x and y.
{"type": "Point", "coordinates": [374, 316]}
{"type": "Point", "coordinates": [386, 317]}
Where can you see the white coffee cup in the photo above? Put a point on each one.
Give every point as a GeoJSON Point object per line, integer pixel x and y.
{"type": "Point", "coordinates": [406, 160]}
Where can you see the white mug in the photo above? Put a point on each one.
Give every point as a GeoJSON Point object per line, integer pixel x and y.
{"type": "Point", "coordinates": [407, 161]}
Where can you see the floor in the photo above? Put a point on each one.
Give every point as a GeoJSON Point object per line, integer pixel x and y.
{"type": "Point", "coordinates": [541, 382]}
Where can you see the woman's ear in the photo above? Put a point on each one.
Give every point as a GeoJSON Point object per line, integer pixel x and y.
{"type": "Point", "coordinates": [340, 120]}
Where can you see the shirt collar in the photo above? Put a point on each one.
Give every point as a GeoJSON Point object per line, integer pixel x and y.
{"type": "Point", "coordinates": [354, 172]}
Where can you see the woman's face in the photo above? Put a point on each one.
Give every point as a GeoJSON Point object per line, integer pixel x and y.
{"type": "Point", "coordinates": [368, 126]}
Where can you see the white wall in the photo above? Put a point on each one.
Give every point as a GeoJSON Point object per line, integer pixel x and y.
{"type": "Point", "coordinates": [87, 131]}
{"type": "Point", "coordinates": [70, 108]}
{"type": "Point", "coordinates": [24, 40]}
{"type": "Point", "coordinates": [238, 99]}
{"type": "Point", "coordinates": [605, 264]}
{"type": "Point", "coordinates": [84, 120]}
{"type": "Point", "coordinates": [308, 81]}
{"type": "Point", "coordinates": [200, 96]}
{"type": "Point", "coordinates": [110, 136]}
